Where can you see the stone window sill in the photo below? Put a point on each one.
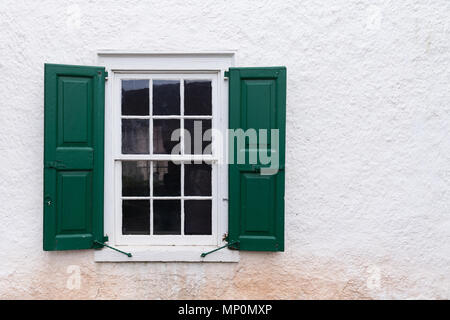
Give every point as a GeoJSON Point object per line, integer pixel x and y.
{"type": "Point", "coordinates": [166, 254]}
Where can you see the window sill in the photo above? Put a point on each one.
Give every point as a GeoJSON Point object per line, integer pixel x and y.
{"type": "Point", "coordinates": [166, 254]}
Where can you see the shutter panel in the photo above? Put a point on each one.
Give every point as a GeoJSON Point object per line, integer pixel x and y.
{"type": "Point", "coordinates": [257, 100]}
{"type": "Point", "coordinates": [73, 156]}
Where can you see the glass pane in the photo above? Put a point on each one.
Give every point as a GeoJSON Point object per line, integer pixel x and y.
{"type": "Point", "coordinates": [197, 97]}
{"type": "Point", "coordinates": [136, 217]}
{"type": "Point", "coordinates": [135, 100]}
{"type": "Point", "coordinates": [197, 217]}
{"type": "Point", "coordinates": [197, 142]}
{"type": "Point", "coordinates": [166, 216]}
{"type": "Point", "coordinates": [197, 179]}
{"type": "Point", "coordinates": [162, 132]}
{"type": "Point", "coordinates": [166, 178]}
{"type": "Point", "coordinates": [135, 138]}
{"type": "Point", "coordinates": [135, 178]}
{"type": "Point", "coordinates": [166, 97]}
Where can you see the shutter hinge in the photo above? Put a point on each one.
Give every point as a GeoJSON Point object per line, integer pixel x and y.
{"type": "Point", "coordinates": [204, 254]}
{"type": "Point", "coordinates": [226, 74]}
{"type": "Point", "coordinates": [115, 249]}
{"type": "Point", "coordinates": [106, 75]}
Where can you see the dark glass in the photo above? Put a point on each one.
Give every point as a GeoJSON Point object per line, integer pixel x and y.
{"type": "Point", "coordinates": [197, 217]}
{"type": "Point", "coordinates": [197, 179]}
{"type": "Point", "coordinates": [135, 136]}
{"type": "Point", "coordinates": [197, 97]}
{"type": "Point", "coordinates": [166, 216]}
{"type": "Point", "coordinates": [200, 126]}
{"type": "Point", "coordinates": [166, 178]}
{"type": "Point", "coordinates": [135, 100]}
{"type": "Point", "coordinates": [166, 97]}
{"type": "Point", "coordinates": [136, 217]}
{"type": "Point", "coordinates": [162, 132]}
{"type": "Point", "coordinates": [135, 178]}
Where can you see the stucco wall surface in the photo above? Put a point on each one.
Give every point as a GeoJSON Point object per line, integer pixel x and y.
{"type": "Point", "coordinates": [368, 144]}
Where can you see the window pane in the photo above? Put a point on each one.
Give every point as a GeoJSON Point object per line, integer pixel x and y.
{"type": "Point", "coordinates": [135, 100]}
{"type": "Point", "coordinates": [135, 178]}
{"type": "Point", "coordinates": [197, 97]}
{"type": "Point", "coordinates": [135, 217]}
{"type": "Point", "coordinates": [166, 178]}
{"type": "Point", "coordinates": [166, 216]}
{"type": "Point", "coordinates": [135, 138]}
{"type": "Point", "coordinates": [197, 142]}
{"type": "Point", "coordinates": [162, 132]}
{"type": "Point", "coordinates": [197, 217]}
{"type": "Point", "coordinates": [197, 179]}
{"type": "Point", "coordinates": [166, 97]}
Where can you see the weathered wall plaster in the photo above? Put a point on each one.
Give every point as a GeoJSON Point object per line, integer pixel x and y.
{"type": "Point", "coordinates": [368, 144]}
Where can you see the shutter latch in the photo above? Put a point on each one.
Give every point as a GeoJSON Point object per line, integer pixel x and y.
{"type": "Point", "coordinates": [204, 254]}
{"type": "Point", "coordinates": [54, 164]}
{"type": "Point", "coordinates": [105, 245]}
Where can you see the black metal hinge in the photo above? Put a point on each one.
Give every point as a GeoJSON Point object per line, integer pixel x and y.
{"type": "Point", "coordinates": [104, 74]}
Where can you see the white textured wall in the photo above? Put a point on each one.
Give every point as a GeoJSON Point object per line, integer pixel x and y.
{"type": "Point", "coordinates": [368, 144]}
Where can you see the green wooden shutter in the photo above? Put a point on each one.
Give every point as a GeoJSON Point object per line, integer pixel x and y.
{"type": "Point", "coordinates": [257, 99]}
{"type": "Point", "coordinates": [73, 156]}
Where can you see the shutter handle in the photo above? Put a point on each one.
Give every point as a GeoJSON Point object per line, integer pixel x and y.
{"type": "Point", "coordinates": [256, 168]}
{"type": "Point", "coordinates": [48, 201]}
{"type": "Point", "coordinates": [57, 164]}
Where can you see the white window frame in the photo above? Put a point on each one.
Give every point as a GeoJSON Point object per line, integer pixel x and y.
{"type": "Point", "coordinates": [167, 248]}
{"type": "Point", "coordinates": [163, 240]}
